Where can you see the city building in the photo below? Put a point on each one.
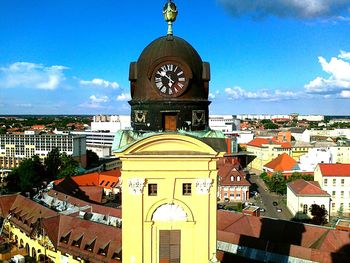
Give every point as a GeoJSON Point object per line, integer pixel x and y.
{"type": "Point", "coordinates": [262, 239]}
{"type": "Point", "coordinates": [224, 123]}
{"type": "Point", "coordinates": [169, 173]}
{"type": "Point", "coordinates": [300, 148]}
{"type": "Point", "coordinates": [16, 147]}
{"type": "Point", "coordinates": [110, 123]}
{"type": "Point", "coordinates": [285, 165]}
{"type": "Point", "coordinates": [100, 142]}
{"type": "Point", "coordinates": [266, 149]}
{"type": "Point", "coordinates": [97, 186]}
{"type": "Point", "coordinates": [300, 134]}
{"type": "Point", "coordinates": [64, 230]}
{"type": "Point", "coordinates": [232, 184]}
{"type": "Point", "coordinates": [335, 179]}
{"type": "Point", "coordinates": [301, 195]}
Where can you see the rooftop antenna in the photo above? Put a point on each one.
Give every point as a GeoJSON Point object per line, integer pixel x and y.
{"type": "Point", "coordinates": [170, 13]}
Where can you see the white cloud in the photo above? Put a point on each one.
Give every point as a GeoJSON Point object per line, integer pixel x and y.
{"type": "Point", "coordinates": [344, 55]}
{"type": "Point", "coordinates": [211, 96]}
{"type": "Point", "coordinates": [339, 75]}
{"type": "Point", "coordinates": [123, 97]}
{"type": "Point", "coordinates": [31, 75]}
{"type": "Point", "coordinates": [24, 105]}
{"type": "Point", "coordinates": [98, 99]}
{"type": "Point", "coordinates": [345, 94]}
{"type": "Point", "coordinates": [100, 83]}
{"type": "Point", "coordinates": [300, 9]}
{"type": "Point", "coordinates": [266, 95]}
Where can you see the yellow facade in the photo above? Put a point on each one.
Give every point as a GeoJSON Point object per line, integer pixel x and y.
{"type": "Point", "coordinates": [265, 154]}
{"type": "Point", "coordinates": [299, 151]}
{"type": "Point", "coordinates": [169, 161]}
{"type": "Point", "coordinates": [38, 247]}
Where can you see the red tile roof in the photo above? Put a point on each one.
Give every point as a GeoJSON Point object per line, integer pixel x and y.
{"type": "Point", "coordinates": [105, 179]}
{"type": "Point", "coordinates": [227, 170]}
{"type": "Point", "coordinates": [306, 188]}
{"type": "Point", "coordinates": [6, 201]}
{"type": "Point", "coordinates": [259, 142]}
{"type": "Point", "coordinates": [282, 163]}
{"type": "Point", "coordinates": [335, 169]}
{"type": "Point", "coordinates": [319, 244]}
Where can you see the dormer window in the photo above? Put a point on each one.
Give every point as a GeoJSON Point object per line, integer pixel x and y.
{"type": "Point", "coordinates": [76, 242]}
{"type": "Point", "coordinates": [117, 254]}
{"type": "Point", "coordinates": [90, 246]}
{"type": "Point", "coordinates": [64, 239]}
{"type": "Point", "coordinates": [232, 178]}
{"type": "Point", "coordinates": [103, 251]}
{"type": "Point", "coordinates": [238, 178]}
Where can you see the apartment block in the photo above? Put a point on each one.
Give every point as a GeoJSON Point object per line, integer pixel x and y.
{"type": "Point", "coordinates": [16, 147]}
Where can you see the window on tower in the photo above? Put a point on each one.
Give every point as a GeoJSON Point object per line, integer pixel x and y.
{"type": "Point", "coordinates": [186, 189]}
{"type": "Point", "coordinates": [152, 189]}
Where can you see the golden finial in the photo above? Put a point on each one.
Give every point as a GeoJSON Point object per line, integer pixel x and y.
{"type": "Point", "coordinates": [170, 13]}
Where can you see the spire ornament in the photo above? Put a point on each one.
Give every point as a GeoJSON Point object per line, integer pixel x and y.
{"type": "Point", "coordinates": [170, 13]}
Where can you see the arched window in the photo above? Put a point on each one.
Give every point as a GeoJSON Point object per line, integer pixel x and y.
{"type": "Point", "coordinates": [232, 178]}
{"type": "Point", "coordinates": [238, 178]}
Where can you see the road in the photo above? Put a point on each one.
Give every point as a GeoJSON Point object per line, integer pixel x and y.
{"type": "Point", "coordinates": [265, 200]}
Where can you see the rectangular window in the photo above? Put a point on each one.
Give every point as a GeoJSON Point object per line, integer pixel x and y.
{"type": "Point", "coordinates": [186, 189]}
{"type": "Point", "coordinates": [225, 195]}
{"type": "Point", "coordinates": [325, 182]}
{"type": "Point", "coordinates": [342, 194]}
{"type": "Point", "coordinates": [238, 195]}
{"type": "Point", "coordinates": [333, 206]}
{"type": "Point", "coordinates": [342, 182]}
{"type": "Point", "coordinates": [152, 189]}
{"type": "Point", "coordinates": [333, 193]}
{"type": "Point", "coordinates": [334, 182]}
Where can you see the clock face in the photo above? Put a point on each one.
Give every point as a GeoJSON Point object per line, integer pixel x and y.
{"type": "Point", "coordinates": [170, 79]}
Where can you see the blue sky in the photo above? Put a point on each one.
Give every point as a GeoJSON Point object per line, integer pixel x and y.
{"type": "Point", "coordinates": [72, 57]}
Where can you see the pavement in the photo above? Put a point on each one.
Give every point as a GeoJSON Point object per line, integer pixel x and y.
{"type": "Point", "coordinates": [265, 199]}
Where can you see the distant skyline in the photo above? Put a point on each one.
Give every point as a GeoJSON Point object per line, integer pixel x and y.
{"type": "Point", "coordinates": [72, 57]}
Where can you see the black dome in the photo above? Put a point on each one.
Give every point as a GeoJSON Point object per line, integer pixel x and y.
{"type": "Point", "coordinates": [162, 49]}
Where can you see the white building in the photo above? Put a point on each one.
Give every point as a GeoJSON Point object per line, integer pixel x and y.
{"type": "Point", "coordinates": [16, 147]}
{"type": "Point", "coordinates": [111, 123]}
{"type": "Point", "coordinates": [224, 123]}
{"type": "Point", "coordinates": [244, 137]}
{"type": "Point", "coordinates": [310, 160]}
{"type": "Point", "coordinates": [331, 133]}
{"type": "Point", "coordinates": [98, 141]}
{"type": "Point", "coordinates": [310, 117]}
{"type": "Point", "coordinates": [301, 195]}
{"type": "Point", "coordinates": [300, 134]}
{"type": "Point", "coordinates": [335, 179]}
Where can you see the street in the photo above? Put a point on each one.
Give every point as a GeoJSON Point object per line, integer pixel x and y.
{"type": "Point", "coordinates": [265, 200]}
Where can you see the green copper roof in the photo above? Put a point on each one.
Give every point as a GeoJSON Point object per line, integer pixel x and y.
{"type": "Point", "coordinates": [125, 138]}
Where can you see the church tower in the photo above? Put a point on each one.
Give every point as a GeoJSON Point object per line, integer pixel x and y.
{"type": "Point", "coordinates": [169, 84]}
{"type": "Point", "coordinates": [169, 173]}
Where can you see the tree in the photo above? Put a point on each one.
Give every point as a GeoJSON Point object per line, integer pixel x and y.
{"type": "Point", "coordinates": [319, 215]}
{"type": "Point", "coordinates": [69, 166]}
{"type": "Point", "coordinates": [278, 184]}
{"type": "Point", "coordinates": [52, 164]}
{"type": "Point", "coordinates": [92, 159]}
{"type": "Point", "coordinates": [27, 175]}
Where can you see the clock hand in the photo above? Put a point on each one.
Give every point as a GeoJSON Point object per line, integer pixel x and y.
{"type": "Point", "coordinates": [171, 82]}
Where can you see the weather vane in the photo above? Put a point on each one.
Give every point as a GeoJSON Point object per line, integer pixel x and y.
{"type": "Point", "coordinates": [170, 13]}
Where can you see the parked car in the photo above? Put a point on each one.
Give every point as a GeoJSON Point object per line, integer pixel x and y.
{"type": "Point", "coordinates": [275, 203]}
{"type": "Point", "coordinates": [279, 210]}
{"type": "Point", "coordinates": [262, 209]}
{"type": "Point", "coordinates": [221, 206]}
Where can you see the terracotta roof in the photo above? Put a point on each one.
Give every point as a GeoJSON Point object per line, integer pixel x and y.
{"type": "Point", "coordinates": [105, 179]}
{"type": "Point", "coordinates": [319, 244]}
{"type": "Point", "coordinates": [86, 233]}
{"type": "Point", "coordinates": [335, 169]}
{"type": "Point", "coordinates": [94, 193]}
{"type": "Point", "coordinates": [259, 142]}
{"type": "Point", "coordinates": [227, 170]}
{"type": "Point", "coordinates": [283, 163]}
{"type": "Point", "coordinates": [307, 188]}
{"type": "Point", "coordinates": [6, 201]}
{"type": "Point", "coordinates": [25, 213]}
